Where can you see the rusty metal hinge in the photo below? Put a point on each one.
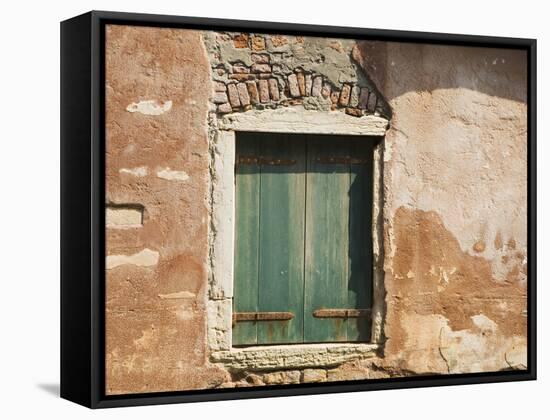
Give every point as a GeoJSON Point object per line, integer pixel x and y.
{"type": "Point", "coordinates": [341, 313]}
{"type": "Point", "coordinates": [262, 316]}
{"type": "Point", "coordinates": [260, 160]}
{"type": "Point", "coordinates": [342, 160]}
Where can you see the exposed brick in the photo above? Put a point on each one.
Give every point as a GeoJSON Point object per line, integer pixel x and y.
{"type": "Point", "coordinates": [254, 379]}
{"type": "Point", "coordinates": [293, 86]}
{"type": "Point", "coordinates": [295, 101]}
{"type": "Point", "coordinates": [264, 91]}
{"type": "Point", "coordinates": [219, 87]}
{"type": "Point", "coordinates": [240, 68]}
{"type": "Point", "coordinates": [364, 98]}
{"type": "Point", "coordinates": [317, 86]}
{"type": "Point", "coordinates": [326, 91]}
{"type": "Point", "coordinates": [264, 75]}
{"type": "Point", "coordinates": [279, 40]}
{"type": "Point", "coordinates": [233, 95]}
{"type": "Point", "coordinates": [243, 94]}
{"type": "Point", "coordinates": [356, 112]}
{"type": "Point", "coordinates": [371, 106]}
{"type": "Point", "coordinates": [273, 89]}
{"type": "Point", "coordinates": [219, 98]}
{"type": "Point", "coordinates": [261, 68]}
{"type": "Point", "coordinates": [354, 98]}
{"type": "Point", "coordinates": [346, 375]}
{"type": "Point", "coordinates": [314, 375]}
{"type": "Point", "coordinates": [260, 58]}
{"type": "Point", "coordinates": [240, 41]}
{"type": "Point", "coordinates": [300, 77]}
{"type": "Point", "coordinates": [345, 94]}
{"type": "Point", "coordinates": [224, 108]}
{"type": "Point", "coordinates": [334, 96]}
{"type": "Point", "coordinates": [241, 77]}
{"type": "Point", "coordinates": [309, 82]}
{"type": "Point", "coordinates": [258, 43]}
{"type": "Point", "coordinates": [284, 377]}
{"type": "Point", "coordinates": [220, 71]}
{"type": "Point", "coordinates": [253, 92]}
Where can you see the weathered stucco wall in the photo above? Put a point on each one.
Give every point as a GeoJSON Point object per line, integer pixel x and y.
{"type": "Point", "coordinates": [455, 182]}
{"type": "Point", "coordinates": [157, 90]}
{"type": "Point", "coordinates": [454, 188]}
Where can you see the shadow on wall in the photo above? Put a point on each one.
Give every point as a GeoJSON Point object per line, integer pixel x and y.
{"type": "Point", "coordinates": [398, 68]}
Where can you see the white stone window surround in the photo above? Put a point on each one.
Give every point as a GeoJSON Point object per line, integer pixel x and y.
{"type": "Point", "coordinates": [221, 256]}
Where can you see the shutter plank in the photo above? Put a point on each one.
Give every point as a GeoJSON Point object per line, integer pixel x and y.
{"type": "Point", "coordinates": [282, 202]}
{"type": "Point", "coordinates": [247, 200]}
{"type": "Point", "coordinates": [360, 238]}
{"type": "Point", "coordinates": [327, 240]}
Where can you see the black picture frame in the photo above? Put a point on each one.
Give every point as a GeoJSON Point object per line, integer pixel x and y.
{"type": "Point", "coordinates": [83, 204]}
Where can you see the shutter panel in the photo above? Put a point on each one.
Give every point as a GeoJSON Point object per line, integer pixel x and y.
{"type": "Point", "coordinates": [269, 267]}
{"type": "Point", "coordinates": [247, 223]}
{"type": "Point", "coordinates": [338, 279]}
{"type": "Point", "coordinates": [282, 202]}
{"type": "Point", "coordinates": [327, 209]}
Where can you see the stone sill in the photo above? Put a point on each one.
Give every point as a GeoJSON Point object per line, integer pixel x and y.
{"type": "Point", "coordinates": [294, 356]}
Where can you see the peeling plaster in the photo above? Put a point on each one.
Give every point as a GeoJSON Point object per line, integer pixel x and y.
{"type": "Point", "coordinates": [150, 107]}
{"type": "Point", "coordinates": [144, 258]}
{"type": "Point", "coordinates": [178, 295]}
{"type": "Point", "coordinates": [139, 171]}
{"type": "Point", "coordinates": [172, 175]}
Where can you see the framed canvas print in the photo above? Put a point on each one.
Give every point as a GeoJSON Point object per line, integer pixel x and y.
{"type": "Point", "coordinates": [253, 209]}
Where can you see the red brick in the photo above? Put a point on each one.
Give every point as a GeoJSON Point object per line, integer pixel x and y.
{"type": "Point", "coordinates": [300, 77]}
{"type": "Point", "coordinates": [240, 41]}
{"type": "Point", "coordinates": [253, 92]}
{"type": "Point", "coordinates": [233, 95]}
{"type": "Point", "coordinates": [240, 68]}
{"type": "Point", "coordinates": [279, 40]}
{"type": "Point", "coordinates": [354, 111]}
{"type": "Point", "coordinates": [224, 108]}
{"type": "Point", "coordinates": [293, 86]}
{"type": "Point", "coordinates": [243, 94]}
{"type": "Point", "coordinates": [274, 89]}
{"type": "Point", "coordinates": [258, 43]}
{"type": "Point", "coordinates": [260, 58]}
{"type": "Point", "coordinates": [261, 68]}
{"type": "Point", "coordinates": [345, 95]}
{"type": "Point", "coordinates": [264, 91]}
{"type": "Point", "coordinates": [317, 86]}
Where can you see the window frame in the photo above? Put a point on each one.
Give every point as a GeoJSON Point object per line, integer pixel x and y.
{"type": "Point", "coordinates": [222, 137]}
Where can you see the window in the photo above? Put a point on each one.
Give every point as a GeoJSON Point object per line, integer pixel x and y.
{"type": "Point", "coordinates": [303, 238]}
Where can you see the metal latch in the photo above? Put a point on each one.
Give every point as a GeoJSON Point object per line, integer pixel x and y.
{"type": "Point", "coordinates": [341, 313]}
{"type": "Point", "coordinates": [262, 316]}
{"type": "Point", "coordinates": [342, 160]}
{"type": "Point", "coordinates": [261, 160]}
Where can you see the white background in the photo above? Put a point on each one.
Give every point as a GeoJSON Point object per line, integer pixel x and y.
{"type": "Point", "coordinates": [29, 206]}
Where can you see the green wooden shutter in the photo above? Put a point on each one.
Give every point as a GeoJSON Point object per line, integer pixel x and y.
{"type": "Point", "coordinates": [303, 238]}
{"type": "Point", "coordinates": [277, 201]}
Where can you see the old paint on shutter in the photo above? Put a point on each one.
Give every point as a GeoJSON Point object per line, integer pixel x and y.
{"type": "Point", "coordinates": [360, 238]}
{"type": "Point", "coordinates": [326, 246]}
{"type": "Point", "coordinates": [282, 207]}
{"type": "Point", "coordinates": [247, 220]}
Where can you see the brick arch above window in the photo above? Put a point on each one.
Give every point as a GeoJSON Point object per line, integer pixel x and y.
{"type": "Point", "coordinates": [259, 71]}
